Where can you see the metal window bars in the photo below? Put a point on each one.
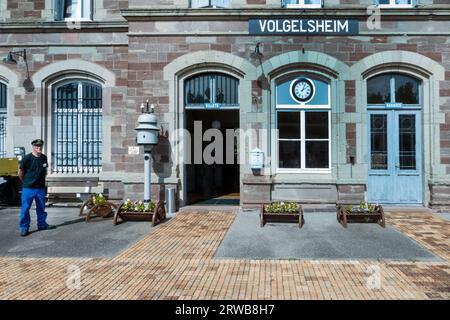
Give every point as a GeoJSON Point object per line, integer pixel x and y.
{"type": "Point", "coordinates": [211, 88]}
{"type": "Point", "coordinates": [77, 146]}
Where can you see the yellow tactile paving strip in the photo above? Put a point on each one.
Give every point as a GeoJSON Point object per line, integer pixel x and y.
{"type": "Point", "coordinates": [176, 261]}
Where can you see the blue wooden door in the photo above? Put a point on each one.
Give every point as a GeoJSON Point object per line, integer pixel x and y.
{"type": "Point", "coordinates": [395, 161]}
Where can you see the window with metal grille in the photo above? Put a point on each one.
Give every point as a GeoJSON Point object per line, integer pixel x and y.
{"type": "Point", "coordinates": [211, 89]}
{"type": "Point", "coordinates": [396, 3]}
{"type": "Point", "coordinates": [210, 3]}
{"type": "Point", "coordinates": [3, 118]}
{"type": "Point", "coordinates": [77, 128]}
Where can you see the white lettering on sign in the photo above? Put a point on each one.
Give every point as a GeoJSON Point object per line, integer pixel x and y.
{"type": "Point", "coordinates": [308, 26]}
{"type": "Point", "coordinates": [133, 150]}
{"type": "Point", "coordinates": [212, 105]}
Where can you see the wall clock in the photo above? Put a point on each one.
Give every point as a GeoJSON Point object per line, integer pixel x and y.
{"type": "Point", "coordinates": [302, 90]}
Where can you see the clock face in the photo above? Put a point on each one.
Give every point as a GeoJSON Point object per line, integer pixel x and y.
{"type": "Point", "coordinates": [302, 90]}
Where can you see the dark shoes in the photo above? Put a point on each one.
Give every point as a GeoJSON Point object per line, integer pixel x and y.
{"type": "Point", "coordinates": [48, 227]}
{"type": "Point", "coordinates": [24, 233]}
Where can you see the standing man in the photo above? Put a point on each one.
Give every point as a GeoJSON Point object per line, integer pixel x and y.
{"type": "Point", "coordinates": [32, 172]}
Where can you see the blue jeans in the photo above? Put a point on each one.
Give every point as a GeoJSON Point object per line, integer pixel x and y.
{"type": "Point", "coordinates": [28, 195]}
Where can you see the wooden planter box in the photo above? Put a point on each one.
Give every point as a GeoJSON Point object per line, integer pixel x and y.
{"type": "Point", "coordinates": [360, 217]}
{"type": "Point", "coordinates": [296, 217]}
{"type": "Point", "coordinates": [158, 215]}
{"type": "Point", "coordinates": [90, 210]}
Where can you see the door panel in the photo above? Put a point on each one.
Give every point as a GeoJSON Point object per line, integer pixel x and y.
{"type": "Point", "coordinates": [395, 164]}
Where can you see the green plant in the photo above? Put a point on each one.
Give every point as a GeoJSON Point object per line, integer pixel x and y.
{"type": "Point", "coordinates": [127, 205]}
{"type": "Point", "coordinates": [281, 207]}
{"type": "Point", "coordinates": [371, 208]}
{"type": "Point", "coordinates": [98, 199]}
{"type": "Point", "coordinates": [276, 207]}
{"type": "Point", "coordinates": [150, 206]}
{"type": "Point", "coordinates": [362, 206]}
{"type": "Point", "coordinates": [291, 207]}
{"type": "Point", "coordinates": [348, 209]}
{"type": "Point", "coordinates": [138, 206]}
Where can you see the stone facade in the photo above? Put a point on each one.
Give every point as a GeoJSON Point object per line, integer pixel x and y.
{"type": "Point", "coordinates": [141, 52]}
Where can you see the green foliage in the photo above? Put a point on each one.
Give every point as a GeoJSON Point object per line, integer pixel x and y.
{"type": "Point", "coordinates": [150, 206]}
{"type": "Point", "coordinates": [98, 199]}
{"type": "Point", "coordinates": [281, 207]}
{"type": "Point", "coordinates": [127, 205]}
{"type": "Point", "coordinates": [138, 206]}
{"type": "Point", "coordinates": [363, 207]}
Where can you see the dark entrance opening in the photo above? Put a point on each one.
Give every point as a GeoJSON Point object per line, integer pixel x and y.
{"type": "Point", "coordinates": [216, 183]}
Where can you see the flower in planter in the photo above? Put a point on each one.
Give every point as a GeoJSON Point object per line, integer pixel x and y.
{"type": "Point", "coordinates": [291, 207]}
{"type": "Point", "coordinates": [139, 206]}
{"type": "Point", "coordinates": [98, 199]}
{"type": "Point", "coordinates": [127, 205]}
{"type": "Point", "coordinates": [281, 207]}
{"type": "Point", "coordinates": [362, 206]}
{"type": "Point", "coordinates": [150, 206]}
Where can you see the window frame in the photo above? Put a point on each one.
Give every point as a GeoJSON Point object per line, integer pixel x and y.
{"type": "Point", "coordinates": [392, 92]}
{"type": "Point", "coordinates": [301, 4]}
{"type": "Point", "coordinates": [303, 109]}
{"type": "Point", "coordinates": [392, 4]}
{"type": "Point", "coordinates": [303, 140]}
{"type": "Point", "coordinates": [210, 6]}
{"type": "Point", "coordinates": [211, 87]}
{"type": "Point", "coordinates": [79, 168]}
{"type": "Point", "coordinates": [79, 11]}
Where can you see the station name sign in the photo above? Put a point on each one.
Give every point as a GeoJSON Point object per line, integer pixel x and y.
{"type": "Point", "coordinates": [303, 26]}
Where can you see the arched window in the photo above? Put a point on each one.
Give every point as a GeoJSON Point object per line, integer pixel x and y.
{"type": "Point", "coordinates": [303, 119]}
{"type": "Point", "coordinates": [393, 88]}
{"type": "Point", "coordinates": [3, 118]}
{"type": "Point", "coordinates": [211, 90]}
{"type": "Point", "coordinates": [77, 127]}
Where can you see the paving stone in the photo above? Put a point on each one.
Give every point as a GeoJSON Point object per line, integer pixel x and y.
{"type": "Point", "coordinates": [175, 261]}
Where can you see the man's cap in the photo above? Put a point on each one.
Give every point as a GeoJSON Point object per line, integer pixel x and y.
{"type": "Point", "coordinates": [37, 142]}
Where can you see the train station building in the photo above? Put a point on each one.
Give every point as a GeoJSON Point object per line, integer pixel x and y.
{"type": "Point", "coordinates": [343, 100]}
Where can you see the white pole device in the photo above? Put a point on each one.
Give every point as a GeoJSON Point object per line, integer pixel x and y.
{"type": "Point", "coordinates": [147, 135]}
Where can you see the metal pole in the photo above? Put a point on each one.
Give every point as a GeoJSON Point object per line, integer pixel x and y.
{"type": "Point", "coordinates": [147, 174]}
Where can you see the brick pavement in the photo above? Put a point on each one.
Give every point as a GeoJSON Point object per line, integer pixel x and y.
{"type": "Point", "coordinates": [176, 261]}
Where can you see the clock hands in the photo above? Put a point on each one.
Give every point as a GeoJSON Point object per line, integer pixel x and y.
{"type": "Point", "coordinates": [303, 90]}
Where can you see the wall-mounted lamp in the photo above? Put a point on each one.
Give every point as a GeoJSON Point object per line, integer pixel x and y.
{"type": "Point", "coordinates": [262, 80]}
{"type": "Point", "coordinates": [257, 52]}
{"type": "Point", "coordinates": [10, 59]}
{"type": "Point", "coordinates": [27, 83]}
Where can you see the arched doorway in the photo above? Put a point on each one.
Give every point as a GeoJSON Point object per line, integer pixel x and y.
{"type": "Point", "coordinates": [211, 104]}
{"type": "Point", "coordinates": [394, 106]}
